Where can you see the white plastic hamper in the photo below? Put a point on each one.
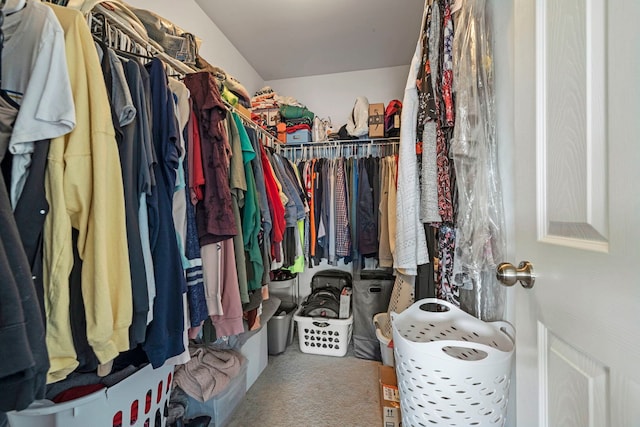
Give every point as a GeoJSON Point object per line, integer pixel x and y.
{"type": "Point", "coordinates": [402, 296]}
{"type": "Point", "coordinates": [319, 335]}
{"type": "Point", "coordinates": [138, 400]}
{"type": "Point", "coordinates": [453, 369]}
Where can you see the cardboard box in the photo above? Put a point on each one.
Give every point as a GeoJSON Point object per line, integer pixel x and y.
{"type": "Point", "coordinates": [268, 116]}
{"type": "Point", "coordinates": [389, 397]}
{"type": "Point", "coordinates": [376, 120]}
{"type": "Point", "coordinates": [345, 303]}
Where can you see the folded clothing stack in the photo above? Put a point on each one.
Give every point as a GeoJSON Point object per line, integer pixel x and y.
{"type": "Point", "coordinates": [297, 124]}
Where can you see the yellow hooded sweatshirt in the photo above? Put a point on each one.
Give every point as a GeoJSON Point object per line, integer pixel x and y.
{"type": "Point", "coordinates": [84, 188]}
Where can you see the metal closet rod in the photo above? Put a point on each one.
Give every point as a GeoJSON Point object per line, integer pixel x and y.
{"type": "Point", "coordinates": [341, 142]}
{"type": "Point", "coordinates": [115, 21]}
{"type": "Point", "coordinates": [247, 121]}
{"type": "Point", "coordinates": [345, 148]}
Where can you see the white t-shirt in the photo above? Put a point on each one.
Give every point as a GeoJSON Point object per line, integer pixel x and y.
{"type": "Point", "coordinates": [35, 75]}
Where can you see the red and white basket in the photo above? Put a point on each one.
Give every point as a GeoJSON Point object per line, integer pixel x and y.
{"type": "Point", "coordinates": [138, 400]}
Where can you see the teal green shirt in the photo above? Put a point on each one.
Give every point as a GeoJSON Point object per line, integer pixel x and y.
{"type": "Point", "coordinates": [250, 212]}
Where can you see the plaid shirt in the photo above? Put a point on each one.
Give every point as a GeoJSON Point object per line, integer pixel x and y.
{"type": "Point", "coordinates": [343, 232]}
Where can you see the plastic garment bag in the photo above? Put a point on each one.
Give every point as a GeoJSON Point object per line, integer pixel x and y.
{"type": "Point", "coordinates": [480, 240]}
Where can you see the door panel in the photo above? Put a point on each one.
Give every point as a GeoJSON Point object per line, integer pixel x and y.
{"type": "Point", "coordinates": [574, 386]}
{"type": "Point", "coordinates": [572, 151]}
{"type": "Point", "coordinates": [576, 66]}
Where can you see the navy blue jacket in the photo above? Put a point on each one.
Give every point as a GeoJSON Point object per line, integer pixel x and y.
{"type": "Point", "coordinates": [165, 333]}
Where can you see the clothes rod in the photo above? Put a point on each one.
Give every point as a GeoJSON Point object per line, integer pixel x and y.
{"type": "Point", "coordinates": [341, 142]}
{"type": "Point", "coordinates": [248, 122]}
{"type": "Point", "coordinates": [115, 21]}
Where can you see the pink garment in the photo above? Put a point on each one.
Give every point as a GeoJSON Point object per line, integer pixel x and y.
{"type": "Point", "coordinates": [221, 287]}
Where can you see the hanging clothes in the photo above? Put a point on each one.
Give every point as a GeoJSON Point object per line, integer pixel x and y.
{"type": "Point", "coordinates": [367, 230]}
{"type": "Point", "coordinates": [411, 245]}
{"type": "Point", "coordinates": [298, 265]}
{"type": "Point", "coordinates": [30, 214]}
{"type": "Point", "coordinates": [223, 291]}
{"type": "Point", "coordinates": [480, 239]}
{"type": "Point", "coordinates": [36, 77]}
{"type": "Point", "coordinates": [343, 231]}
{"type": "Point", "coordinates": [25, 360]}
{"type": "Point", "coordinates": [353, 203]}
{"type": "Point", "coordinates": [123, 115]}
{"type": "Point", "coordinates": [392, 191]}
{"type": "Point", "coordinates": [194, 274]}
{"type": "Point", "coordinates": [250, 210]}
{"type": "Point", "coordinates": [139, 84]}
{"type": "Point", "coordinates": [84, 188]}
{"type": "Point", "coordinates": [385, 258]}
{"type": "Point", "coordinates": [264, 236]}
{"type": "Point", "coordinates": [215, 213]}
{"type": "Point", "coordinates": [180, 97]}
{"type": "Point", "coordinates": [275, 206]}
{"type": "Point", "coordinates": [238, 186]}
{"type": "Point", "coordinates": [165, 333]}
{"type": "Point", "coordinates": [345, 197]}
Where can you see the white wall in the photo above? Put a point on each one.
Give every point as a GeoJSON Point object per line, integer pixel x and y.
{"type": "Point", "coordinates": [216, 48]}
{"type": "Point", "coordinates": [333, 95]}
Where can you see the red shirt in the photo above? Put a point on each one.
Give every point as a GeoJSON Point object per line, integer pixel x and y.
{"type": "Point", "coordinates": [196, 171]}
{"type": "Point", "coordinates": [273, 196]}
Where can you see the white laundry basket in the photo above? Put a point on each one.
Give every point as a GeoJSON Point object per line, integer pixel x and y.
{"type": "Point", "coordinates": [453, 369]}
{"type": "Point", "coordinates": [402, 296]}
{"type": "Point", "coordinates": [139, 400]}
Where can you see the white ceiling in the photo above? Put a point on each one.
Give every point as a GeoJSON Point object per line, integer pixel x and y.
{"type": "Point", "coordinates": [295, 38]}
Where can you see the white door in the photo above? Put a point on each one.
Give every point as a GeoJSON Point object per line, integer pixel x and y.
{"type": "Point", "coordinates": [576, 166]}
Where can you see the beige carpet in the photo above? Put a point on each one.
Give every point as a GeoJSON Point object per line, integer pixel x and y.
{"type": "Point", "coordinates": [307, 390]}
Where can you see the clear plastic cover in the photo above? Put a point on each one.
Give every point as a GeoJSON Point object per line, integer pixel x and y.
{"type": "Point", "coordinates": [480, 239]}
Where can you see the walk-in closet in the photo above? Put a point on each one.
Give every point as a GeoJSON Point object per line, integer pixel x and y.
{"type": "Point", "coordinates": [343, 213]}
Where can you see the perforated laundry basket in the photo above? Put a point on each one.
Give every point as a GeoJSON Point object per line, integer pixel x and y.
{"type": "Point", "coordinates": [137, 401]}
{"type": "Point", "coordinates": [319, 335]}
{"type": "Point", "coordinates": [402, 296]}
{"type": "Point", "coordinates": [453, 369]}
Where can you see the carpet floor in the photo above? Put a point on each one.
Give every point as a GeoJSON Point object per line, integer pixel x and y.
{"type": "Point", "coordinates": [306, 390]}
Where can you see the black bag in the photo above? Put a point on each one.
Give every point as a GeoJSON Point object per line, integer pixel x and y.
{"type": "Point", "coordinates": [319, 305]}
{"type": "Point", "coordinates": [331, 278]}
{"type": "Point", "coordinates": [324, 300]}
